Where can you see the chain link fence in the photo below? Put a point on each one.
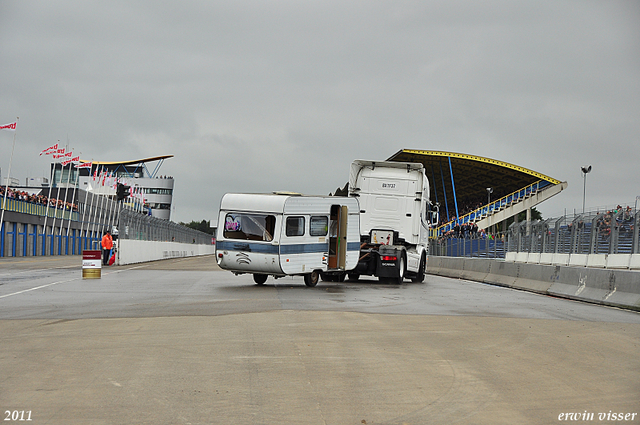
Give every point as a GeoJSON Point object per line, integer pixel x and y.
{"type": "Point", "coordinates": [134, 225]}
{"type": "Point", "coordinates": [611, 232]}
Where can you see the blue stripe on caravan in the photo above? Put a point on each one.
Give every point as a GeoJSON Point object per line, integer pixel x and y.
{"type": "Point", "coordinates": [303, 248]}
{"type": "Point", "coordinates": [267, 248]}
{"type": "Point", "coordinates": [263, 248]}
{"type": "Point", "coordinates": [313, 247]}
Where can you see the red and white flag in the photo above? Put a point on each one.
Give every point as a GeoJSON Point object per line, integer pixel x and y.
{"type": "Point", "coordinates": [84, 165]}
{"type": "Point", "coordinates": [9, 127]}
{"type": "Point", "coordinates": [50, 150]}
{"type": "Point", "coordinates": [67, 162]}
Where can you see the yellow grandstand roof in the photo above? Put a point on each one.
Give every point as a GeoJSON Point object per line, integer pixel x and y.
{"type": "Point", "coordinates": [132, 162]}
{"type": "Point", "coordinates": [472, 174]}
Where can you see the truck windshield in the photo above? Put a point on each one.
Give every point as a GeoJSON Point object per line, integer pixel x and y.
{"type": "Point", "coordinates": [253, 227]}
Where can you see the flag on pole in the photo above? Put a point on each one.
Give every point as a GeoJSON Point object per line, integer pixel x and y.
{"type": "Point", "coordinates": [49, 150]}
{"type": "Point", "coordinates": [67, 162]}
{"type": "Point", "coordinates": [84, 165]}
{"type": "Point", "coordinates": [9, 127]}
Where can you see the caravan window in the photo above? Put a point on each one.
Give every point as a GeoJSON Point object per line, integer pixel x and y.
{"type": "Point", "coordinates": [318, 226]}
{"type": "Point", "coordinates": [295, 226]}
{"type": "Point", "coordinates": [253, 227]}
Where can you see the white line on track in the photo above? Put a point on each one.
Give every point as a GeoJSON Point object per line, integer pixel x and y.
{"type": "Point", "coordinates": [61, 281]}
{"type": "Point", "coordinates": [38, 287]}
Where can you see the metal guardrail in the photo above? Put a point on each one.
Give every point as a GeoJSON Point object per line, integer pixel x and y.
{"type": "Point", "coordinates": [133, 225]}
{"type": "Point", "coordinates": [16, 205]}
{"type": "Point", "coordinates": [467, 247]}
{"type": "Point", "coordinates": [611, 232]}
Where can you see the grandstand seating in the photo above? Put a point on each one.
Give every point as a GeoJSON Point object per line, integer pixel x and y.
{"type": "Point", "coordinates": [496, 206]}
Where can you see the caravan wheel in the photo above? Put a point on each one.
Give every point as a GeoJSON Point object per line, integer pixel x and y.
{"type": "Point", "coordinates": [311, 279]}
{"type": "Point", "coordinates": [260, 279]}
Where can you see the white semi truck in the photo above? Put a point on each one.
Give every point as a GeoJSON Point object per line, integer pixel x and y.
{"type": "Point", "coordinates": [396, 215]}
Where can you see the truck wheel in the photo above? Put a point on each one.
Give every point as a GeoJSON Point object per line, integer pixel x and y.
{"type": "Point", "coordinates": [402, 268]}
{"type": "Point", "coordinates": [260, 279]}
{"type": "Point", "coordinates": [311, 279]}
{"type": "Point", "coordinates": [423, 265]}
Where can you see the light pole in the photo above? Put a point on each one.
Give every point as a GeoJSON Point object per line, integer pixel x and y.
{"type": "Point", "coordinates": [585, 171]}
{"type": "Point", "coordinates": [489, 192]}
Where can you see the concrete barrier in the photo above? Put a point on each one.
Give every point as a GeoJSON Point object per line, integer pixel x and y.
{"type": "Point", "coordinates": [533, 258]}
{"type": "Point", "coordinates": [609, 261]}
{"type": "Point", "coordinates": [475, 270]}
{"type": "Point", "coordinates": [502, 273]}
{"type": "Point", "coordinates": [578, 260]}
{"type": "Point", "coordinates": [613, 287]}
{"type": "Point", "coordinates": [522, 257]}
{"type": "Point", "coordinates": [599, 260]}
{"type": "Point", "coordinates": [546, 258]}
{"type": "Point", "coordinates": [634, 262]}
{"type": "Point", "coordinates": [560, 259]}
{"type": "Point", "coordinates": [132, 251]}
{"type": "Point", "coordinates": [617, 261]}
{"type": "Point", "coordinates": [535, 277]}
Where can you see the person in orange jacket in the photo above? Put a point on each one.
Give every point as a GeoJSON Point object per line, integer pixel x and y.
{"type": "Point", "coordinates": [107, 245]}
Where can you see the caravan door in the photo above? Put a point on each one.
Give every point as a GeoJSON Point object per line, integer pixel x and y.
{"type": "Point", "coordinates": [338, 237]}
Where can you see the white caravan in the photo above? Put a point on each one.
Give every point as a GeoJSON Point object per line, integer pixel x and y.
{"type": "Point", "coordinates": [288, 234]}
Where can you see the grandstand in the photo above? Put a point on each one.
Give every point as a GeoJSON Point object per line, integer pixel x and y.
{"type": "Point", "coordinates": [461, 183]}
{"type": "Point", "coordinates": [156, 190]}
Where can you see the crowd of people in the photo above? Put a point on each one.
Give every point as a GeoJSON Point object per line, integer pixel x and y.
{"type": "Point", "coordinates": [623, 221]}
{"type": "Point", "coordinates": [36, 199]}
{"type": "Point", "coordinates": [465, 231]}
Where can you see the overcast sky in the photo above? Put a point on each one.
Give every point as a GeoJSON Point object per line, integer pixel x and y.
{"type": "Point", "coordinates": [257, 96]}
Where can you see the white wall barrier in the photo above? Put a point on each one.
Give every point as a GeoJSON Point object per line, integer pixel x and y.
{"type": "Point", "coordinates": [131, 251]}
{"type": "Point", "coordinates": [606, 261]}
{"type": "Point", "coordinates": [609, 286]}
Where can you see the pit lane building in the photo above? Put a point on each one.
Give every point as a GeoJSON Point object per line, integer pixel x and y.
{"type": "Point", "coordinates": [140, 174]}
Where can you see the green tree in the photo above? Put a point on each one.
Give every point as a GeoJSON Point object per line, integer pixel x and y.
{"type": "Point", "coordinates": [203, 226]}
{"type": "Point", "coordinates": [535, 215]}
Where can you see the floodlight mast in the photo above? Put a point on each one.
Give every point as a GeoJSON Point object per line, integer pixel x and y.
{"type": "Point", "coordinates": [585, 170]}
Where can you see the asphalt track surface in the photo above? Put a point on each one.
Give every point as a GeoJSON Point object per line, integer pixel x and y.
{"type": "Point", "coordinates": [182, 342]}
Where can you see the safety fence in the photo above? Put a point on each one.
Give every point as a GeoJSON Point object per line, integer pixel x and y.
{"type": "Point", "coordinates": [467, 247]}
{"type": "Point", "coordinates": [37, 230]}
{"type": "Point", "coordinates": [610, 232]}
